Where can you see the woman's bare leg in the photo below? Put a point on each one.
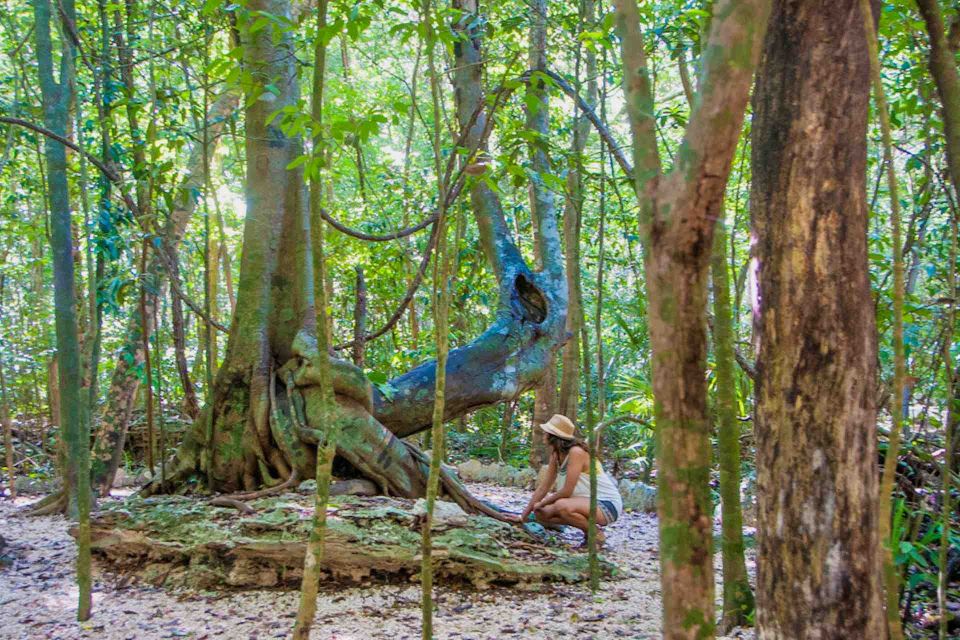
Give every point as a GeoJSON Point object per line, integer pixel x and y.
{"type": "Point", "coordinates": [573, 512]}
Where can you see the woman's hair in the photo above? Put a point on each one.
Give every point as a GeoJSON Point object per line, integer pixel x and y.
{"type": "Point", "coordinates": [561, 446]}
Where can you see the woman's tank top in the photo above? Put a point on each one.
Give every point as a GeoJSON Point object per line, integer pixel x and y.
{"type": "Point", "coordinates": [606, 488]}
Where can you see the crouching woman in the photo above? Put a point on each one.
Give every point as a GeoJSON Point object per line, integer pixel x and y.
{"type": "Point", "coordinates": [569, 475]}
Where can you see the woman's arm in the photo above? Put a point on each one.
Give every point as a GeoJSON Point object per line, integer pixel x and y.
{"type": "Point", "coordinates": [548, 480]}
{"type": "Point", "coordinates": [576, 461]}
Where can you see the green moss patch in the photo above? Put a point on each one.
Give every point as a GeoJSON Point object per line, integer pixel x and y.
{"type": "Point", "coordinates": [180, 541]}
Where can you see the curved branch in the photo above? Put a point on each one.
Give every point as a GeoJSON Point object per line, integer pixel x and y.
{"type": "Point", "coordinates": [452, 193]}
{"type": "Point", "coordinates": [359, 235]}
{"type": "Point", "coordinates": [626, 417]}
{"type": "Point", "coordinates": [167, 261]}
{"type": "Point", "coordinates": [411, 291]}
{"type": "Point", "coordinates": [111, 175]}
{"type": "Point", "coordinates": [501, 92]}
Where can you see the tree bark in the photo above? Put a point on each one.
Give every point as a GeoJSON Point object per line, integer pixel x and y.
{"type": "Point", "coordinates": [572, 222]}
{"type": "Point", "coordinates": [542, 203]}
{"type": "Point", "coordinates": [56, 96]}
{"type": "Point", "coordinates": [677, 215]}
{"type": "Point", "coordinates": [738, 599]}
{"type": "Point", "coordinates": [818, 546]}
{"type": "Point", "coordinates": [53, 395]}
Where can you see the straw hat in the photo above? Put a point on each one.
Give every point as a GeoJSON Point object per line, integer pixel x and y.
{"type": "Point", "coordinates": [560, 426]}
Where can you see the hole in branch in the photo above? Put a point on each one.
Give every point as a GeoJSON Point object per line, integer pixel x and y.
{"type": "Point", "coordinates": [532, 303]}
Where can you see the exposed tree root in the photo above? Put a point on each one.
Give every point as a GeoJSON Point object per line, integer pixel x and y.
{"type": "Point", "coordinates": [53, 503]}
{"type": "Point", "coordinates": [269, 491]}
{"type": "Point", "coordinates": [239, 505]}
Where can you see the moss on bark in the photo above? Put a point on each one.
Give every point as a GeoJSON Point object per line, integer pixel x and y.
{"type": "Point", "coordinates": [180, 541]}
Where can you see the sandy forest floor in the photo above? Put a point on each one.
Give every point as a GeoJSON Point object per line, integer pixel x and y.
{"type": "Point", "coordinates": [38, 597]}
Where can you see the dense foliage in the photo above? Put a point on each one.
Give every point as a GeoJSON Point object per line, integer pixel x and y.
{"type": "Point", "coordinates": [148, 73]}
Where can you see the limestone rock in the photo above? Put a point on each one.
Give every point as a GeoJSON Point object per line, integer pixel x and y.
{"type": "Point", "coordinates": [502, 474]}
{"type": "Point", "coordinates": [444, 513]}
{"type": "Point", "coordinates": [32, 486]}
{"type": "Point", "coordinates": [352, 487]}
{"type": "Point", "coordinates": [638, 496]}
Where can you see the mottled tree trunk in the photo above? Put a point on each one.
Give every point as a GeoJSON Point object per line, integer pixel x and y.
{"type": "Point", "coordinates": [737, 597]}
{"type": "Point", "coordinates": [818, 546]}
{"type": "Point", "coordinates": [74, 427]}
{"type": "Point", "coordinates": [678, 210]}
{"type": "Point", "coordinates": [542, 203]}
{"type": "Point", "coordinates": [572, 218]}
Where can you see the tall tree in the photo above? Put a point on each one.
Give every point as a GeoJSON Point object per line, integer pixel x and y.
{"type": "Point", "coordinates": [57, 94]}
{"type": "Point", "coordinates": [892, 457]}
{"type": "Point", "coordinates": [572, 223]}
{"type": "Point", "coordinates": [737, 596]}
{"type": "Point", "coordinates": [441, 324]}
{"type": "Point", "coordinates": [818, 543]}
{"type": "Point", "coordinates": [943, 68]}
{"type": "Point", "coordinates": [678, 210]}
{"type": "Point", "coordinates": [542, 203]}
{"type": "Point", "coordinates": [327, 451]}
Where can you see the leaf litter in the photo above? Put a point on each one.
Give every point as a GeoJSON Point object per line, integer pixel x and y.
{"type": "Point", "coordinates": [38, 596]}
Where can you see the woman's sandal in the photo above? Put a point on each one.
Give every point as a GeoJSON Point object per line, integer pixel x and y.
{"type": "Point", "coordinates": [601, 539]}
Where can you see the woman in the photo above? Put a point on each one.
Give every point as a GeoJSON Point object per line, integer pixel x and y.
{"type": "Point", "coordinates": [569, 474]}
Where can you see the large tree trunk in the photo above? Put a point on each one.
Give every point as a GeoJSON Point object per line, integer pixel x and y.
{"type": "Point", "coordinates": [677, 215]}
{"type": "Point", "coordinates": [818, 566]}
